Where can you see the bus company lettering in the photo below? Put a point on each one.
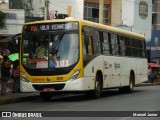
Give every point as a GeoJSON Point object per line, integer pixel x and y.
{"type": "Point", "coordinates": [107, 65]}
{"type": "Point", "coordinates": [38, 79]}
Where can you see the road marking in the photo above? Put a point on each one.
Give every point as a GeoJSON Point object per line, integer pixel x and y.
{"type": "Point", "coordinates": [75, 105]}
{"type": "Point", "coordinates": [125, 118]}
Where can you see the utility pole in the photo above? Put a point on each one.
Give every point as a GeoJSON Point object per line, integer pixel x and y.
{"type": "Point", "coordinates": [101, 7]}
{"type": "Point", "coordinates": [46, 10]}
{"type": "Point", "coordinates": [69, 10]}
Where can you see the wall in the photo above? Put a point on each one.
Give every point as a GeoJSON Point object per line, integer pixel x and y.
{"type": "Point", "coordinates": [128, 12]}
{"type": "Point", "coordinates": [143, 24]}
{"type": "Point", "coordinates": [130, 18]}
{"type": "Point", "coordinates": [116, 17]}
{"type": "Point", "coordinates": [14, 22]}
{"type": "Point", "coordinates": [4, 5]}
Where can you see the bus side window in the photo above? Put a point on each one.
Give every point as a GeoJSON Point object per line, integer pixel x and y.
{"type": "Point", "coordinates": [144, 50]}
{"type": "Point", "coordinates": [114, 42]}
{"type": "Point", "coordinates": [127, 44]}
{"type": "Point", "coordinates": [122, 46]}
{"type": "Point", "coordinates": [97, 44]}
{"type": "Point", "coordinates": [88, 44]}
{"type": "Point", "coordinates": [106, 44]}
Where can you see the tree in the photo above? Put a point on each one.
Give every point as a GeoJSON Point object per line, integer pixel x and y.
{"type": "Point", "coordinates": [2, 20]}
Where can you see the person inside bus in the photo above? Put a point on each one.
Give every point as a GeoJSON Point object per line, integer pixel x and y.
{"type": "Point", "coordinates": [42, 49]}
{"type": "Point", "coordinates": [31, 48]}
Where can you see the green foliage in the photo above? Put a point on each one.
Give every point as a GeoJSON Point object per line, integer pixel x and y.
{"type": "Point", "coordinates": [2, 20]}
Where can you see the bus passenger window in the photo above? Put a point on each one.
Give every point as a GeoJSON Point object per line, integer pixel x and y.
{"type": "Point", "coordinates": [114, 43]}
{"type": "Point", "coordinates": [106, 44]}
{"type": "Point", "coordinates": [88, 45]}
{"type": "Point", "coordinates": [122, 46]}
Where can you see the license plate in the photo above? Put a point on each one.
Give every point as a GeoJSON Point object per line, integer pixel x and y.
{"type": "Point", "coordinates": [48, 89]}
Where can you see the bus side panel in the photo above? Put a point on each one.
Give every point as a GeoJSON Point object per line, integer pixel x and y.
{"type": "Point", "coordinates": [142, 68]}
{"type": "Point", "coordinates": [118, 69]}
{"type": "Point", "coordinates": [91, 69]}
{"type": "Point", "coordinates": [127, 64]}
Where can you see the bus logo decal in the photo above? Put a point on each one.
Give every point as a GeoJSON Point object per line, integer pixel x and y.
{"type": "Point", "coordinates": [106, 65]}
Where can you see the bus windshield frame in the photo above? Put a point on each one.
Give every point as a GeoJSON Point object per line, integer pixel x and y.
{"type": "Point", "coordinates": [50, 46]}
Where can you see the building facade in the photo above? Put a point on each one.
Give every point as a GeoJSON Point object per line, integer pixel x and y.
{"type": "Point", "coordinates": [80, 9]}
{"type": "Point", "coordinates": [91, 8]}
{"type": "Point", "coordinates": [14, 23]}
{"type": "Point", "coordinates": [135, 16]}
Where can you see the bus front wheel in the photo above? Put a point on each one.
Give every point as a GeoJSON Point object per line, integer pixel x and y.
{"type": "Point", "coordinates": [96, 93]}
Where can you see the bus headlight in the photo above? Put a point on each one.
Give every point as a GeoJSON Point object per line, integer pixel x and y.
{"type": "Point", "coordinates": [23, 77]}
{"type": "Point", "coordinates": [75, 75]}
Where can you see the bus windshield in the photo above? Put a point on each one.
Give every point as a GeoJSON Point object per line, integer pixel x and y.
{"type": "Point", "coordinates": [42, 50]}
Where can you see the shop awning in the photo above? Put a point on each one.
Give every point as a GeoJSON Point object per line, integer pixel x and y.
{"type": "Point", "coordinates": [153, 65]}
{"type": "Point", "coordinates": [6, 39]}
{"type": "Point", "coordinates": [9, 38]}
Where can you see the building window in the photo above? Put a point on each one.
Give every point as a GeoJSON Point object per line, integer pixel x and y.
{"type": "Point", "coordinates": [91, 12]}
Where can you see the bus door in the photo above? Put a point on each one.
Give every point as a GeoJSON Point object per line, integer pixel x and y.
{"type": "Point", "coordinates": [108, 64]}
{"type": "Point", "coordinates": [112, 68]}
{"type": "Point", "coordinates": [112, 71]}
{"type": "Point", "coordinates": [116, 81]}
{"type": "Point", "coordinates": [116, 60]}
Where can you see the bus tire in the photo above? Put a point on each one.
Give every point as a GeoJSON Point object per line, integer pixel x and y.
{"type": "Point", "coordinates": [46, 96]}
{"type": "Point", "coordinates": [129, 88]}
{"type": "Point", "coordinates": [96, 93]}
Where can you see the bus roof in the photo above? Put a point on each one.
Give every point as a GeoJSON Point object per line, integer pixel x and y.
{"type": "Point", "coordinates": [93, 24]}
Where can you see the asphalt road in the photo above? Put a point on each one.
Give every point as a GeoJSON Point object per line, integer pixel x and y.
{"type": "Point", "coordinates": [145, 99]}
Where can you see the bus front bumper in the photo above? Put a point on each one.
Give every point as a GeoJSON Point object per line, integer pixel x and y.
{"type": "Point", "coordinates": [80, 84]}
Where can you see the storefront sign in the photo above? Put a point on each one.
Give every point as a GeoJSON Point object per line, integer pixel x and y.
{"type": "Point", "coordinates": [155, 44]}
{"type": "Point", "coordinates": [143, 10]}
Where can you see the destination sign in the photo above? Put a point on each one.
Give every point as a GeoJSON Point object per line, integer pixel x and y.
{"type": "Point", "coordinates": [51, 27]}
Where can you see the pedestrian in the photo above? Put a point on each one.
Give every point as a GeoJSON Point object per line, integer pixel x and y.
{"type": "Point", "coordinates": [16, 77]}
{"type": "Point", "coordinates": [5, 74]}
{"type": "Point", "coordinates": [149, 75]}
{"type": "Point", "coordinates": [7, 52]}
{"type": "Point", "coordinates": [1, 59]}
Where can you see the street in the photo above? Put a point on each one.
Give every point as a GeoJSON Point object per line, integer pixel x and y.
{"type": "Point", "coordinates": [142, 99]}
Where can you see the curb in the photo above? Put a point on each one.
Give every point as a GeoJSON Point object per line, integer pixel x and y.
{"type": "Point", "coordinates": [18, 99]}
{"type": "Point", "coordinates": [147, 84]}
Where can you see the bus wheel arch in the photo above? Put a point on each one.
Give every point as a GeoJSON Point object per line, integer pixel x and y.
{"type": "Point", "coordinates": [129, 88]}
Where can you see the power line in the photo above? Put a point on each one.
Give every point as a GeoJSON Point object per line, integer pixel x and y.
{"type": "Point", "coordinates": [65, 8]}
{"type": "Point", "coordinates": [80, 13]}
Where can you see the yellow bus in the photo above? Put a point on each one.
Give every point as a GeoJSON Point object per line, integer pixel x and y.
{"type": "Point", "coordinates": [79, 56]}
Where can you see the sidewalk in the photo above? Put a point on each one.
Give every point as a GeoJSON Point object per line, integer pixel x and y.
{"type": "Point", "coordinates": [23, 97]}
{"type": "Point", "coordinates": [17, 97]}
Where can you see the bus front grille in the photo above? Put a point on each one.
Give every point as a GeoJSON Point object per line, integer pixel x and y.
{"type": "Point", "coordinates": [55, 86]}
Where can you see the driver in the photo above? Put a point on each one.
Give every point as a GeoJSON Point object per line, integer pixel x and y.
{"type": "Point", "coordinates": [41, 50]}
